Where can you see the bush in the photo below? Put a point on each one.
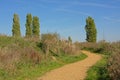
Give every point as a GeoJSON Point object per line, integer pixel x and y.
{"type": "Point", "coordinates": [51, 43]}
{"type": "Point", "coordinates": [101, 47]}
{"type": "Point", "coordinates": [114, 62]}
{"type": "Point", "coordinates": [14, 50]}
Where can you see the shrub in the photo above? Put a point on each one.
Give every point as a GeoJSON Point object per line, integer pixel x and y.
{"type": "Point", "coordinates": [101, 47]}
{"type": "Point", "coordinates": [51, 43]}
{"type": "Point", "coordinates": [113, 63]}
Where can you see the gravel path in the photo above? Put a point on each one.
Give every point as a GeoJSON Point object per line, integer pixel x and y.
{"type": "Point", "coordinates": [73, 71]}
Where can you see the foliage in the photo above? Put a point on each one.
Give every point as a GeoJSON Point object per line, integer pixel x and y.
{"type": "Point", "coordinates": [36, 27]}
{"type": "Point", "coordinates": [50, 42]}
{"type": "Point", "coordinates": [91, 32]}
{"type": "Point", "coordinates": [110, 70]}
{"type": "Point", "coordinates": [70, 39]}
{"type": "Point", "coordinates": [22, 59]}
{"type": "Point", "coordinates": [16, 26]}
{"type": "Point", "coordinates": [114, 62]}
{"type": "Point", "coordinates": [28, 25]}
{"type": "Point", "coordinates": [101, 47]}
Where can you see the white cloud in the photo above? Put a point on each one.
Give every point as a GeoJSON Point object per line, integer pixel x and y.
{"type": "Point", "coordinates": [112, 19]}
{"type": "Point", "coordinates": [92, 4]}
{"type": "Point", "coordinates": [73, 12]}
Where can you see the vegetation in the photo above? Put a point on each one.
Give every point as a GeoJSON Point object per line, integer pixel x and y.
{"type": "Point", "coordinates": [108, 68]}
{"type": "Point", "coordinates": [25, 58]}
{"type": "Point", "coordinates": [91, 32]}
{"type": "Point", "coordinates": [16, 26]}
{"type": "Point", "coordinates": [70, 39]}
{"type": "Point", "coordinates": [28, 25]}
{"type": "Point", "coordinates": [113, 62]}
{"type": "Point", "coordinates": [36, 27]}
{"type": "Point", "coordinates": [98, 71]}
{"type": "Point", "coordinates": [21, 58]}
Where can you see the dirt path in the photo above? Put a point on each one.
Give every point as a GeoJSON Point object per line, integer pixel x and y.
{"type": "Point", "coordinates": [74, 71]}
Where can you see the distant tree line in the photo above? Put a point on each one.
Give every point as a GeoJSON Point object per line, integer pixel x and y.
{"type": "Point", "coordinates": [33, 28]}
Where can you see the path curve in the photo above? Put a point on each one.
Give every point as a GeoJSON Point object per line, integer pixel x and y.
{"type": "Point", "coordinates": [73, 71]}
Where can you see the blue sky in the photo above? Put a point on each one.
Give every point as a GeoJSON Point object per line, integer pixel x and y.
{"type": "Point", "coordinates": [66, 17]}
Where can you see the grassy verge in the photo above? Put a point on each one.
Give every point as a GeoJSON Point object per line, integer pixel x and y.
{"type": "Point", "coordinates": [98, 71]}
{"type": "Point", "coordinates": [30, 71]}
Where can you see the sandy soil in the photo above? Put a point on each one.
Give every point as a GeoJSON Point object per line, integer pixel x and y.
{"type": "Point", "coordinates": [74, 71]}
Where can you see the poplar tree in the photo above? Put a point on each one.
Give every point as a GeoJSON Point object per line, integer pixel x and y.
{"type": "Point", "coordinates": [70, 39]}
{"type": "Point", "coordinates": [91, 32]}
{"type": "Point", "coordinates": [28, 25]}
{"type": "Point", "coordinates": [36, 27]}
{"type": "Point", "coordinates": [16, 26]}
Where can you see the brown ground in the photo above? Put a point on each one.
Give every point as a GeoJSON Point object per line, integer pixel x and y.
{"type": "Point", "coordinates": [74, 71]}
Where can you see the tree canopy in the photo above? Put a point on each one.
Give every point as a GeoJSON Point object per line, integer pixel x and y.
{"type": "Point", "coordinates": [36, 26]}
{"type": "Point", "coordinates": [28, 25]}
{"type": "Point", "coordinates": [16, 26]}
{"type": "Point", "coordinates": [91, 32]}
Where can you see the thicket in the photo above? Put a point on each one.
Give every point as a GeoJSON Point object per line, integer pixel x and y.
{"type": "Point", "coordinates": [114, 62]}
{"type": "Point", "coordinates": [19, 55]}
{"type": "Point", "coordinates": [51, 43]}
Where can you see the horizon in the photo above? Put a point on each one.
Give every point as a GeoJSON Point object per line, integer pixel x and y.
{"type": "Point", "coordinates": [66, 17]}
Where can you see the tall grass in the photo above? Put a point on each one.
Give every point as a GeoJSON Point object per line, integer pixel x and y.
{"type": "Point", "coordinates": [114, 62]}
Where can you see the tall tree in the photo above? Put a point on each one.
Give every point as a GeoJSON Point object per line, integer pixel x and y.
{"type": "Point", "coordinates": [70, 39]}
{"type": "Point", "coordinates": [16, 26]}
{"type": "Point", "coordinates": [28, 25]}
{"type": "Point", "coordinates": [91, 31]}
{"type": "Point", "coordinates": [36, 27]}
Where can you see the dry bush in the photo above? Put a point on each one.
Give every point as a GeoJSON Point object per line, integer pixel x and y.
{"type": "Point", "coordinates": [114, 62]}
{"type": "Point", "coordinates": [13, 54]}
{"type": "Point", "coordinates": [102, 47]}
{"type": "Point", "coordinates": [51, 43]}
{"type": "Point", "coordinates": [8, 57]}
{"type": "Point", "coordinates": [68, 48]}
{"type": "Point", "coordinates": [114, 66]}
{"type": "Point", "coordinates": [29, 54]}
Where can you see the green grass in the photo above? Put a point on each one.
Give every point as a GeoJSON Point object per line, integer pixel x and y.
{"type": "Point", "coordinates": [31, 72]}
{"type": "Point", "coordinates": [98, 71]}
{"type": "Point", "coordinates": [71, 58]}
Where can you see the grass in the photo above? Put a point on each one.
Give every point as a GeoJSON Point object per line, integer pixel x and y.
{"type": "Point", "coordinates": [71, 58]}
{"type": "Point", "coordinates": [30, 72]}
{"type": "Point", "coordinates": [98, 71]}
